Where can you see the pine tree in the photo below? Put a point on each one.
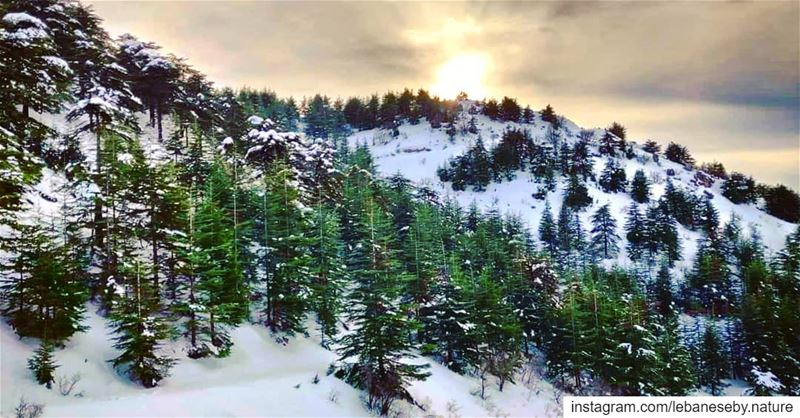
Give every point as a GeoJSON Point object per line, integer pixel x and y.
{"type": "Point", "coordinates": [481, 166]}
{"type": "Point", "coordinates": [547, 231]}
{"type": "Point", "coordinates": [576, 195]}
{"type": "Point", "coordinates": [445, 321]}
{"type": "Point", "coordinates": [493, 322]}
{"type": "Point", "coordinates": [635, 233]}
{"type": "Point", "coordinates": [662, 294]}
{"type": "Point", "coordinates": [739, 188]}
{"type": "Point", "coordinates": [371, 354]}
{"type": "Point", "coordinates": [214, 285]}
{"type": "Point", "coordinates": [42, 364]}
{"type": "Point", "coordinates": [713, 361]}
{"type": "Point", "coordinates": [328, 271]}
{"type": "Point", "coordinates": [44, 292]}
{"type": "Point", "coordinates": [709, 218]}
{"type": "Point", "coordinates": [640, 187]}
{"type": "Point", "coordinates": [35, 76]}
{"type": "Point", "coordinates": [675, 375]}
{"type": "Point", "coordinates": [613, 179]}
{"type": "Point", "coordinates": [288, 289]}
{"type": "Point", "coordinates": [565, 233]}
{"type": "Point", "coordinates": [604, 232]}
{"type": "Point", "coordinates": [679, 154]}
{"type": "Point", "coordinates": [139, 329]}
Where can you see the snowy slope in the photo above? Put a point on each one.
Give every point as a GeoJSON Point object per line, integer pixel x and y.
{"type": "Point", "coordinates": [260, 378]}
{"type": "Point", "coordinates": [419, 150]}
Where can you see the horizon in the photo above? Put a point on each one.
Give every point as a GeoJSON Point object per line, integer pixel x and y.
{"type": "Point", "coordinates": [722, 78]}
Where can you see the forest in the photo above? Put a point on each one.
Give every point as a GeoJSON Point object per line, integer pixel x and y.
{"type": "Point", "coordinates": [260, 211]}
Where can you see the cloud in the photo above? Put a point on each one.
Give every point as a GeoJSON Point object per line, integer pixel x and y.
{"type": "Point", "coordinates": [713, 75]}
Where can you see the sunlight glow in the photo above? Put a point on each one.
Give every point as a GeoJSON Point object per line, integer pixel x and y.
{"type": "Point", "coordinates": [464, 72]}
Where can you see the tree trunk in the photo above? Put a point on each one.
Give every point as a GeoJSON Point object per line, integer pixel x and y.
{"type": "Point", "coordinates": [159, 116]}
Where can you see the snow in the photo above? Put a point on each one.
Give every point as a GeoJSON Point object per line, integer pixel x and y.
{"type": "Point", "coordinates": [17, 18]}
{"type": "Point", "coordinates": [767, 379]}
{"type": "Point", "coordinates": [419, 150]}
{"type": "Point", "coordinates": [259, 378]}
{"type": "Point", "coordinates": [58, 62]}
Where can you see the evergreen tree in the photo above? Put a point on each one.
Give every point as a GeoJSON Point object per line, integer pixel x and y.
{"type": "Point", "coordinates": [44, 291]}
{"type": "Point", "coordinates": [782, 203]}
{"type": "Point", "coordinates": [549, 115]}
{"type": "Point", "coordinates": [371, 354]}
{"type": "Point", "coordinates": [613, 179]}
{"type": "Point", "coordinates": [652, 147]}
{"type": "Point", "coordinates": [576, 195]}
{"type": "Point", "coordinates": [713, 361]}
{"type": "Point", "coordinates": [679, 154]}
{"type": "Point", "coordinates": [139, 330]}
{"type": "Point", "coordinates": [547, 230]}
{"type": "Point", "coordinates": [42, 364]}
{"type": "Point", "coordinates": [662, 294]}
{"type": "Point", "coordinates": [604, 232]}
{"type": "Point", "coordinates": [640, 187]}
{"type": "Point", "coordinates": [635, 233]}
{"type": "Point", "coordinates": [481, 165]}
{"type": "Point", "coordinates": [494, 334]}
{"type": "Point", "coordinates": [328, 271]}
{"type": "Point", "coordinates": [445, 321]}
{"type": "Point", "coordinates": [675, 375]}
{"type": "Point", "coordinates": [287, 289]}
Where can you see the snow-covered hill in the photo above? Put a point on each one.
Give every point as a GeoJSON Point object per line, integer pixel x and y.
{"type": "Point", "coordinates": [260, 378]}
{"type": "Point", "coordinates": [263, 377]}
{"type": "Point", "coordinates": [419, 150]}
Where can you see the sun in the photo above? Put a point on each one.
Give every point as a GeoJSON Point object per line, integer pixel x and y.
{"type": "Point", "coordinates": [463, 72]}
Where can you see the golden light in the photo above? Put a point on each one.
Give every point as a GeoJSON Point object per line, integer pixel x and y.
{"type": "Point", "coordinates": [464, 72]}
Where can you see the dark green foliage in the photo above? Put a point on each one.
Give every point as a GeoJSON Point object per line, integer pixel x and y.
{"type": "Point", "coordinates": [618, 130]}
{"type": "Point", "coordinates": [604, 233]}
{"type": "Point", "coordinates": [739, 188]}
{"type": "Point", "coordinates": [371, 355]}
{"type": "Point", "coordinates": [494, 334]}
{"type": "Point", "coordinates": [510, 110]}
{"type": "Point", "coordinates": [288, 264]}
{"type": "Point", "coordinates": [640, 187]}
{"type": "Point", "coordinates": [547, 230]}
{"type": "Point", "coordinates": [636, 233]}
{"type": "Point", "coordinates": [652, 147]}
{"type": "Point", "coordinates": [328, 271]}
{"type": "Point", "coordinates": [713, 365]}
{"type": "Point", "coordinates": [613, 178]}
{"type": "Point", "coordinates": [710, 278]}
{"type": "Point", "coordinates": [716, 169]}
{"type": "Point", "coordinates": [44, 289]}
{"type": "Point", "coordinates": [679, 154]}
{"type": "Point", "coordinates": [139, 329]}
{"type": "Point", "coordinates": [471, 169]}
{"type": "Point", "coordinates": [680, 205]}
{"type": "Point", "coordinates": [662, 294]}
{"type": "Point", "coordinates": [491, 109]}
{"type": "Point", "coordinates": [549, 115]}
{"type": "Point", "coordinates": [511, 154]}
{"type": "Point", "coordinates": [42, 364]}
{"type": "Point", "coordinates": [782, 202]}
{"type": "Point", "coordinates": [675, 375]}
{"type": "Point", "coordinates": [576, 195]}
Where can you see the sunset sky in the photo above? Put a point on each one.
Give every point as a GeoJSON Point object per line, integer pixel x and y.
{"type": "Point", "coordinates": [721, 78]}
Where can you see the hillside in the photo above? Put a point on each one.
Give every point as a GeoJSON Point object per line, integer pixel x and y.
{"type": "Point", "coordinates": [419, 150]}
{"type": "Point", "coordinates": [182, 248]}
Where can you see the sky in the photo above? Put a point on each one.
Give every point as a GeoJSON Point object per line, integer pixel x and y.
{"type": "Point", "coordinates": [722, 78]}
